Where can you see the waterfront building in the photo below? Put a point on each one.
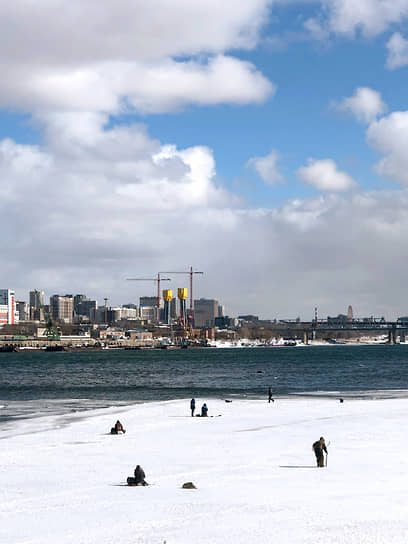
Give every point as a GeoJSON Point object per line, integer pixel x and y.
{"type": "Point", "coordinates": [223, 322]}
{"type": "Point", "coordinates": [250, 318]}
{"type": "Point", "coordinates": [8, 311]}
{"type": "Point", "coordinates": [139, 335]}
{"type": "Point", "coordinates": [205, 312]}
{"type": "Point", "coordinates": [62, 308]}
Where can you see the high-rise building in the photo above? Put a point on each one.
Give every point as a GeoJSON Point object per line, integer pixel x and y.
{"type": "Point", "coordinates": [77, 300]}
{"type": "Point", "coordinates": [148, 313]}
{"type": "Point", "coordinates": [8, 312]}
{"type": "Point", "coordinates": [129, 313]}
{"type": "Point", "coordinates": [62, 308]}
{"type": "Point", "coordinates": [36, 299]}
{"type": "Point", "coordinates": [350, 313]}
{"type": "Point", "coordinates": [84, 307]}
{"type": "Point", "coordinates": [148, 301]}
{"type": "Point", "coordinates": [205, 312]}
{"type": "Point", "coordinates": [23, 309]}
{"type": "Point", "coordinates": [37, 304]}
{"type": "Point", "coordinates": [148, 308]}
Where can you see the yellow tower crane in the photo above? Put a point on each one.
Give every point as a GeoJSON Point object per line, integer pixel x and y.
{"type": "Point", "coordinates": [191, 273]}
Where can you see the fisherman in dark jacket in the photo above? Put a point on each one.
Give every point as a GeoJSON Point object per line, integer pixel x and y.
{"type": "Point", "coordinates": [319, 447]}
{"type": "Point", "coordinates": [192, 406]}
{"type": "Point", "coordinates": [204, 410]}
{"type": "Point", "coordinates": [140, 476]}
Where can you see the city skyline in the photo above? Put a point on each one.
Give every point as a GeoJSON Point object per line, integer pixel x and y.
{"type": "Point", "coordinates": [146, 306]}
{"type": "Point", "coordinates": [261, 142]}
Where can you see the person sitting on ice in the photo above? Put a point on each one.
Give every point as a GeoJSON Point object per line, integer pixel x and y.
{"type": "Point", "coordinates": [139, 477]}
{"type": "Point", "coordinates": [204, 410]}
{"type": "Point", "coordinates": [118, 428]}
{"type": "Point", "coordinates": [319, 447]}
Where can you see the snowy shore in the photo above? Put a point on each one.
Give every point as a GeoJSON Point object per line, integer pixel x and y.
{"type": "Point", "coordinates": [63, 478]}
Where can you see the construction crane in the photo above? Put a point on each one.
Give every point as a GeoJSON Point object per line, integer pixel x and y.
{"type": "Point", "coordinates": [191, 272]}
{"type": "Point", "coordinates": [106, 309]}
{"type": "Point", "coordinates": [158, 280]}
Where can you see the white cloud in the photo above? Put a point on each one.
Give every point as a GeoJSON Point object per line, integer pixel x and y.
{"type": "Point", "coordinates": [389, 136]}
{"type": "Point", "coordinates": [324, 175]}
{"type": "Point", "coordinates": [92, 207]}
{"type": "Point", "coordinates": [133, 30]}
{"type": "Point", "coordinates": [267, 167]}
{"type": "Point", "coordinates": [370, 17]}
{"type": "Point", "coordinates": [366, 104]}
{"type": "Point", "coordinates": [397, 47]}
{"type": "Point", "coordinates": [152, 57]}
{"type": "Point", "coordinates": [148, 88]}
{"type": "Point", "coordinates": [316, 28]}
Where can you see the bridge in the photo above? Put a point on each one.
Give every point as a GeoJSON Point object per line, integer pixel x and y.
{"type": "Point", "coordinates": [394, 329]}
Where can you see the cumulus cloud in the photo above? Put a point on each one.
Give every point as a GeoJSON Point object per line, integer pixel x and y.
{"type": "Point", "coordinates": [151, 57]}
{"type": "Point", "coordinates": [95, 203]}
{"type": "Point", "coordinates": [365, 104]}
{"type": "Point", "coordinates": [85, 31]}
{"type": "Point", "coordinates": [145, 87]}
{"type": "Point", "coordinates": [93, 206]}
{"type": "Point", "coordinates": [267, 167]}
{"type": "Point", "coordinates": [347, 17]}
{"type": "Point", "coordinates": [388, 135]}
{"type": "Point", "coordinates": [324, 175]}
{"type": "Point", "coordinates": [397, 47]}
{"type": "Point", "coordinates": [103, 195]}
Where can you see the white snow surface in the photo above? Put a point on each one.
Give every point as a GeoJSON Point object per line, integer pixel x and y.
{"type": "Point", "coordinates": [63, 478]}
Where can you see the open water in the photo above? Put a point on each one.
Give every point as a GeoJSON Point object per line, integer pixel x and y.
{"type": "Point", "coordinates": [35, 384]}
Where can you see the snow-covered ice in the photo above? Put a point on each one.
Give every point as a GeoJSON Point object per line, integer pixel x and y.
{"type": "Point", "coordinates": [63, 478]}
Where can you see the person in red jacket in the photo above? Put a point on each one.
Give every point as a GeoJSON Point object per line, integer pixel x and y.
{"type": "Point", "coordinates": [118, 428]}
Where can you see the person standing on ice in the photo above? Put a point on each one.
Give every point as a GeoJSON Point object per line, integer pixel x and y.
{"type": "Point", "coordinates": [270, 395]}
{"type": "Point", "coordinates": [319, 447]}
{"type": "Point", "coordinates": [192, 406]}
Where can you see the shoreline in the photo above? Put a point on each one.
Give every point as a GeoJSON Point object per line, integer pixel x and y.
{"type": "Point", "coordinates": [8, 346]}
{"type": "Point", "coordinates": [12, 411]}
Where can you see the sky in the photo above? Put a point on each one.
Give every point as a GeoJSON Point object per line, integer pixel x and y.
{"type": "Point", "coordinates": [262, 143]}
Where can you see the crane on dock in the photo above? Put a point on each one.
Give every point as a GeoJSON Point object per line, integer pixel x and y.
{"type": "Point", "coordinates": [191, 273]}
{"type": "Point", "coordinates": [158, 280]}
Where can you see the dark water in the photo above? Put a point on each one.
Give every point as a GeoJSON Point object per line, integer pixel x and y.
{"type": "Point", "coordinates": [38, 383]}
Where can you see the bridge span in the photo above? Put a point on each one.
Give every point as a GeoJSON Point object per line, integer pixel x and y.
{"type": "Point", "coordinates": [393, 329]}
